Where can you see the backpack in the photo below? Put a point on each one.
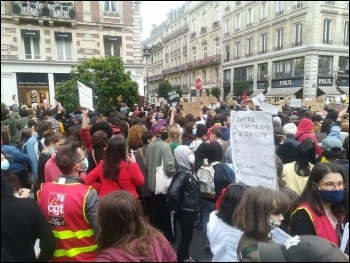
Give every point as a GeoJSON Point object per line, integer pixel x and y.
{"type": "Point", "coordinates": [223, 177]}
{"type": "Point", "coordinates": [205, 176]}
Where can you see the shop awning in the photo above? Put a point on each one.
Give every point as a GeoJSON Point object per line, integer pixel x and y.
{"type": "Point", "coordinates": [257, 92]}
{"type": "Point", "coordinates": [345, 89]}
{"type": "Point", "coordinates": [329, 91]}
{"type": "Point", "coordinates": [281, 92]}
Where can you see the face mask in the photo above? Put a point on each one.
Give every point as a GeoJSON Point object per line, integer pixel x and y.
{"type": "Point", "coordinates": [52, 150]}
{"type": "Point", "coordinates": [181, 131]}
{"type": "Point", "coordinates": [194, 131]}
{"type": "Point", "coordinates": [5, 165]}
{"type": "Point", "coordinates": [83, 166]}
{"type": "Point", "coordinates": [333, 197]}
{"type": "Point", "coordinates": [191, 158]}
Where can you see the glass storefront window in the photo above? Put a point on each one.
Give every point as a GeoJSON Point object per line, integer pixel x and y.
{"type": "Point", "coordinates": [325, 65]}
{"type": "Point", "coordinates": [298, 66]}
{"type": "Point", "coordinates": [343, 66]}
{"type": "Point", "coordinates": [263, 70]}
{"type": "Point", "coordinates": [287, 68]}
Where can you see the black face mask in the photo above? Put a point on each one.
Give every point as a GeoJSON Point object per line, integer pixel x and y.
{"type": "Point", "coordinates": [164, 136]}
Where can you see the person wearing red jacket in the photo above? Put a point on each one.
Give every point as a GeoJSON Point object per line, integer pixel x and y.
{"type": "Point", "coordinates": [117, 171]}
{"type": "Point", "coordinates": [305, 131]}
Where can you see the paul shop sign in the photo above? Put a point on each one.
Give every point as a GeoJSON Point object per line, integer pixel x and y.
{"type": "Point", "coordinates": [322, 81]}
{"type": "Point", "coordinates": [283, 83]}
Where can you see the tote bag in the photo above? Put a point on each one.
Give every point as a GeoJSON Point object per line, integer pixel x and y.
{"type": "Point", "coordinates": [162, 181]}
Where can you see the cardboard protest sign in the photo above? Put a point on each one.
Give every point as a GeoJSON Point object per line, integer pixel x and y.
{"type": "Point", "coordinates": [258, 99]}
{"type": "Point", "coordinates": [316, 105]}
{"type": "Point", "coordinates": [337, 106]}
{"type": "Point", "coordinates": [295, 103]}
{"type": "Point", "coordinates": [253, 148]}
{"type": "Point", "coordinates": [270, 108]}
{"type": "Point", "coordinates": [85, 96]}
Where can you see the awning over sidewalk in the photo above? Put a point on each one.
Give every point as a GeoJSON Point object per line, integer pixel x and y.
{"type": "Point", "coordinates": [281, 92]}
{"type": "Point", "coordinates": [345, 89]}
{"type": "Point", "coordinates": [257, 92]}
{"type": "Point", "coordinates": [330, 91]}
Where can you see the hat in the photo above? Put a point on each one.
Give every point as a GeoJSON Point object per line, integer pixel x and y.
{"type": "Point", "coordinates": [331, 142]}
{"type": "Point", "coordinates": [114, 121]}
{"type": "Point", "coordinates": [78, 118]}
{"type": "Point", "coordinates": [294, 117]}
{"type": "Point", "coordinates": [306, 248]}
{"type": "Point", "coordinates": [157, 125]}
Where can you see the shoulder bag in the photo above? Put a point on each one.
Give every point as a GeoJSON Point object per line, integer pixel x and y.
{"type": "Point", "coordinates": [162, 181]}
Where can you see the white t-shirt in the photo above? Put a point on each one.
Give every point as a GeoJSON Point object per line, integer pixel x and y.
{"type": "Point", "coordinates": [195, 144]}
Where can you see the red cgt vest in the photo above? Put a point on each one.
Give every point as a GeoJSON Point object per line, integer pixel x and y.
{"type": "Point", "coordinates": [322, 225]}
{"type": "Point", "coordinates": [64, 207]}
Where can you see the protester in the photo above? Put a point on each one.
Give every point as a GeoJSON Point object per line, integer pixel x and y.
{"type": "Point", "coordinates": [99, 143]}
{"type": "Point", "coordinates": [332, 146]}
{"type": "Point", "coordinates": [174, 138]}
{"type": "Point", "coordinates": [325, 130]}
{"type": "Point", "coordinates": [223, 235]}
{"type": "Point", "coordinates": [201, 131]}
{"type": "Point", "coordinates": [189, 133]}
{"type": "Point", "coordinates": [305, 131]}
{"type": "Point", "coordinates": [135, 137]}
{"type": "Point", "coordinates": [118, 170]}
{"type": "Point", "coordinates": [183, 197]}
{"type": "Point", "coordinates": [70, 207]}
{"type": "Point", "coordinates": [258, 213]}
{"type": "Point", "coordinates": [320, 208]}
{"type": "Point", "coordinates": [125, 235]}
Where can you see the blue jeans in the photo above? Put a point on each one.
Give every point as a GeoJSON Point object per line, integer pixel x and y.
{"type": "Point", "coordinates": [207, 208]}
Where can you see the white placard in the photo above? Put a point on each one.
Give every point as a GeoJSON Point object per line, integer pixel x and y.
{"type": "Point", "coordinates": [269, 108]}
{"type": "Point", "coordinates": [295, 103]}
{"type": "Point", "coordinates": [345, 238]}
{"type": "Point", "coordinates": [258, 99]}
{"type": "Point", "coordinates": [279, 236]}
{"type": "Point", "coordinates": [253, 148]}
{"type": "Point", "coordinates": [85, 96]}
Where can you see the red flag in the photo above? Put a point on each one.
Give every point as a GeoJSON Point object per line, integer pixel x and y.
{"type": "Point", "coordinates": [244, 97]}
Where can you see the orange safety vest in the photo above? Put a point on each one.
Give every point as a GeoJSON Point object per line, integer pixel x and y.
{"type": "Point", "coordinates": [322, 225]}
{"type": "Point", "coordinates": [64, 207]}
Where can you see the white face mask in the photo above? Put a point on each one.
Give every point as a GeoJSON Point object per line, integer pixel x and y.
{"type": "Point", "coordinates": [191, 158]}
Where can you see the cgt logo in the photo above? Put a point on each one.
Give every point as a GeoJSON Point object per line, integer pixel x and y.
{"type": "Point", "coordinates": [56, 204]}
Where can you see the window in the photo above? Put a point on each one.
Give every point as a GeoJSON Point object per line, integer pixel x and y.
{"type": "Point", "coordinates": [250, 72]}
{"type": "Point", "coordinates": [227, 76]}
{"type": "Point", "coordinates": [327, 31]}
{"type": "Point", "coordinates": [238, 50]}
{"type": "Point", "coordinates": [249, 17]}
{"type": "Point", "coordinates": [278, 69]}
{"type": "Point", "coordinates": [263, 40]}
{"type": "Point", "coordinates": [217, 46]}
{"type": "Point", "coordinates": [343, 66]}
{"type": "Point", "coordinates": [217, 13]}
{"type": "Point", "coordinates": [279, 6]}
{"type": "Point", "coordinates": [263, 70]}
{"type": "Point", "coordinates": [288, 68]}
{"type": "Point", "coordinates": [194, 53]}
{"type": "Point", "coordinates": [325, 65]}
{"type": "Point", "coordinates": [32, 47]}
{"type": "Point", "coordinates": [240, 73]}
{"type": "Point", "coordinates": [298, 67]}
{"type": "Point", "coordinates": [298, 4]}
{"type": "Point", "coordinates": [113, 49]}
{"type": "Point", "coordinates": [238, 22]}
{"type": "Point", "coordinates": [111, 6]}
{"type": "Point", "coordinates": [346, 33]}
{"type": "Point", "coordinates": [194, 25]}
{"type": "Point", "coordinates": [227, 52]}
{"type": "Point", "coordinates": [263, 10]}
{"type": "Point", "coordinates": [204, 76]}
{"type": "Point", "coordinates": [205, 22]}
{"type": "Point", "coordinates": [205, 50]}
{"type": "Point", "coordinates": [279, 38]}
{"type": "Point", "coordinates": [64, 49]}
{"type": "Point", "coordinates": [298, 35]}
{"type": "Point", "coordinates": [227, 26]}
{"type": "Point", "coordinates": [250, 46]}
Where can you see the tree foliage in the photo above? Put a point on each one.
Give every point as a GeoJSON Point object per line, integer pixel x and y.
{"type": "Point", "coordinates": [107, 79]}
{"type": "Point", "coordinates": [164, 87]}
{"type": "Point", "coordinates": [239, 87]}
{"type": "Point", "coordinates": [216, 92]}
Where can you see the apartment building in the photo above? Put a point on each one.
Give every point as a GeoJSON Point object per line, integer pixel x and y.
{"type": "Point", "coordinates": [278, 47]}
{"type": "Point", "coordinates": [42, 40]}
{"type": "Point", "coordinates": [287, 47]}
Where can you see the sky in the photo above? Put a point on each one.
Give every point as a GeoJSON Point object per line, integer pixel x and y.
{"type": "Point", "coordinates": [154, 12]}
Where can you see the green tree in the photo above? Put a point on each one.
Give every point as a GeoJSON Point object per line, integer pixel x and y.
{"type": "Point", "coordinates": [164, 87]}
{"type": "Point", "coordinates": [239, 87]}
{"type": "Point", "coordinates": [179, 91]}
{"type": "Point", "coordinates": [216, 92]}
{"type": "Point", "coordinates": [107, 79]}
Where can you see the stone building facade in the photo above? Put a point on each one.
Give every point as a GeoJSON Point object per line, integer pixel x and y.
{"type": "Point", "coordinates": [42, 40]}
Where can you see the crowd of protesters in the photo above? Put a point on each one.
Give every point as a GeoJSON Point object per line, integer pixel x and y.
{"type": "Point", "coordinates": [94, 182]}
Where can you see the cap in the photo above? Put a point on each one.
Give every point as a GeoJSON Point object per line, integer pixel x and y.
{"type": "Point", "coordinates": [114, 121]}
{"type": "Point", "coordinates": [306, 248]}
{"type": "Point", "coordinates": [157, 125]}
{"type": "Point", "coordinates": [78, 118]}
{"type": "Point", "coordinates": [331, 142]}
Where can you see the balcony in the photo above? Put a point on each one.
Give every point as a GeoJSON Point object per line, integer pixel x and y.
{"type": "Point", "coordinates": [110, 14]}
{"type": "Point", "coordinates": [264, 19]}
{"type": "Point", "coordinates": [203, 30]}
{"type": "Point", "coordinates": [227, 80]}
{"type": "Point", "coordinates": [154, 77]}
{"type": "Point", "coordinates": [248, 55]}
{"type": "Point", "coordinates": [205, 61]}
{"type": "Point", "coordinates": [236, 58]}
{"type": "Point", "coordinates": [327, 41]}
{"type": "Point", "coordinates": [297, 44]}
{"type": "Point", "coordinates": [261, 52]}
{"type": "Point", "coordinates": [298, 6]}
{"type": "Point", "coordinates": [54, 9]}
{"type": "Point", "coordinates": [226, 34]}
{"type": "Point", "coordinates": [249, 25]}
{"type": "Point", "coordinates": [181, 67]}
{"type": "Point", "coordinates": [193, 35]}
{"type": "Point", "coordinates": [227, 8]}
{"type": "Point", "coordinates": [279, 13]}
{"type": "Point", "coordinates": [330, 2]}
{"type": "Point", "coordinates": [238, 29]}
{"type": "Point", "coordinates": [181, 30]}
{"type": "Point", "coordinates": [278, 48]}
{"type": "Point", "coordinates": [216, 24]}
{"type": "Point", "coordinates": [226, 59]}
{"type": "Point", "coordinates": [345, 43]}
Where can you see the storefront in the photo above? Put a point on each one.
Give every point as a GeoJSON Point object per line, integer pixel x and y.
{"type": "Point", "coordinates": [286, 87]}
{"type": "Point", "coordinates": [32, 88]}
{"type": "Point", "coordinates": [325, 86]}
{"type": "Point", "coordinates": [343, 84]}
{"type": "Point", "coordinates": [261, 87]}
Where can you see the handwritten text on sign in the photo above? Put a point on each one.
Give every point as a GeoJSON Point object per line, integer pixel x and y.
{"type": "Point", "coordinates": [253, 148]}
{"type": "Point", "coordinates": [85, 95]}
